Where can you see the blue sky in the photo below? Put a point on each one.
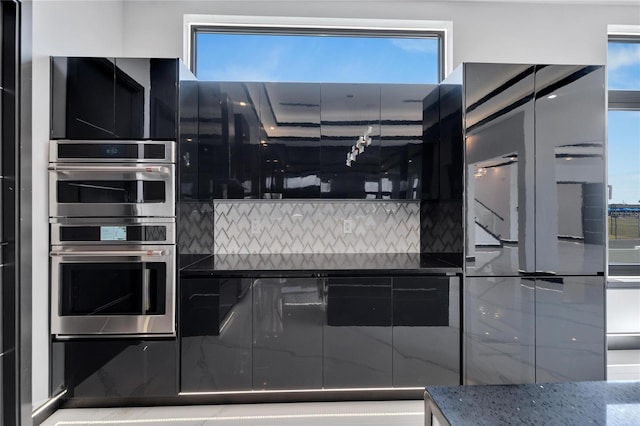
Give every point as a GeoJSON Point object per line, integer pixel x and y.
{"type": "Point", "coordinates": [623, 64]}
{"type": "Point", "coordinates": [239, 57]}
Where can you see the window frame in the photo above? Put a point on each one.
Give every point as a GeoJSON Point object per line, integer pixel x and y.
{"type": "Point", "coordinates": [441, 30]}
{"type": "Point", "coordinates": [621, 100]}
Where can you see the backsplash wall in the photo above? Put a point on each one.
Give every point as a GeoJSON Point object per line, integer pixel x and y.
{"type": "Point", "coordinates": [271, 227]}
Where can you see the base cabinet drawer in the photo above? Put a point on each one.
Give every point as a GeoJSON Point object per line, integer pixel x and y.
{"type": "Point", "coordinates": [216, 333]}
{"type": "Point", "coordinates": [115, 368]}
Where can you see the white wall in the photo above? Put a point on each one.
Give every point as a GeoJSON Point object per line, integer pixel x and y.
{"type": "Point", "coordinates": [482, 32]}
{"type": "Point", "coordinates": [60, 28]}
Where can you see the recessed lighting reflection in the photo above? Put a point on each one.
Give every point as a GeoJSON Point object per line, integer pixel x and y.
{"type": "Point", "coordinates": [552, 96]}
{"type": "Point", "coordinates": [243, 104]}
{"type": "Point", "coordinates": [272, 128]}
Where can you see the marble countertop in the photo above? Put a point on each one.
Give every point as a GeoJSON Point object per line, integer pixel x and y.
{"type": "Point", "coordinates": [387, 262]}
{"type": "Point", "coordinates": [578, 403]}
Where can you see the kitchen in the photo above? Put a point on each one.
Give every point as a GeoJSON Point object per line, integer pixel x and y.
{"type": "Point", "coordinates": [579, 56]}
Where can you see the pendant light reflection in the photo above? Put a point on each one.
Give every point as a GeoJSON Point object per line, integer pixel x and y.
{"type": "Point", "coordinates": [358, 148]}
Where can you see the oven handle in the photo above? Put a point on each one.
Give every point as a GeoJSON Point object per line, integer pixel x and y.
{"type": "Point", "coordinates": [110, 253]}
{"type": "Point", "coordinates": [146, 169]}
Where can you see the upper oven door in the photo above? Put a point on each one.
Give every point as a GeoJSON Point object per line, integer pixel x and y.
{"type": "Point", "coordinates": [112, 231]}
{"type": "Point", "coordinates": [121, 290]}
{"type": "Point", "coordinates": [92, 190]}
{"type": "Point", "coordinates": [67, 151]}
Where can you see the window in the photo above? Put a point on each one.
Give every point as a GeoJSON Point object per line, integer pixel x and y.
{"type": "Point", "coordinates": [327, 56]}
{"type": "Point", "coordinates": [624, 155]}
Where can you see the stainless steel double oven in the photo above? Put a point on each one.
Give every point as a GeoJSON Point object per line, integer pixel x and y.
{"type": "Point", "coordinates": [113, 243]}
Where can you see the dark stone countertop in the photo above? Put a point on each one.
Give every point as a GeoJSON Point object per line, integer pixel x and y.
{"type": "Point", "coordinates": [578, 403]}
{"type": "Point", "coordinates": [317, 263]}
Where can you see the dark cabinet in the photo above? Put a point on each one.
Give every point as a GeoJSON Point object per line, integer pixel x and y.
{"type": "Point", "coordinates": [534, 138]}
{"type": "Point", "coordinates": [292, 140]}
{"type": "Point", "coordinates": [337, 332]}
{"type": "Point", "coordinates": [287, 333]}
{"type": "Point", "coordinates": [426, 331]}
{"type": "Point", "coordinates": [499, 330]}
{"type": "Point", "coordinates": [114, 98]}
{"type": "Point", "coordinates": [570, 329]}
{"type": "Point", "coordinates": [115, 368]}
{"type": "Point", "coordinates": [357, 334]}
{"type": "Point", "coordinates": [216, 334]}
{"type": "Point", "coordinates": [527, 330]}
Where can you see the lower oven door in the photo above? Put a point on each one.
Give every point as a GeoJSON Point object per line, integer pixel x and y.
{"type": "Point", "coordinates": [124, 291]}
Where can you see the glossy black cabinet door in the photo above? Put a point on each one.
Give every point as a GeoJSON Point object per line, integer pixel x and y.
{"type": "Point", "coordinates": [188, 152]}
{"type": "Point", "coordinates": [215, 331]}
{"type": "Point", "coordinates": [401, 139]}
{"type": "Point", "coordinates": [82, 98]}
{"type": "Point", "coordinates": [500, 176]}
{"type": "Point", "coordinates": [570, 192]}
{"type": "Point", "coordinates": [228, 144]}
{"type": "Point", "coordinates": [114, 98]}
{"type": "Point", "coordinates": [116, 368]}
{"type": "Point", "coordinates": [290, 144]}
{"type": "Point", "coordinates": [499, 330]}
{"type": "Point", "coordinates": [357, 334]}
{"type": "Point", "coordinates": [570, 329]}
{"type": "Point", "coordinates": [426, 310]}
{"type": "Point", "coordinates": [347, 112]}
{"type": "Point", "coordinates": [287, 333]}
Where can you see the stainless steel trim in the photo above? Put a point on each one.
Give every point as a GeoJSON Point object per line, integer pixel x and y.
{"type": "Point", "coordinates": [57, 223]}
{"type": "Point", "coordinates": [111, 325]}
{"type": "Point", "coordinates": [169, 151]}
{"type": "Point", "coordinates": [109, 169]}
{"type": "Point", "coordinates": [108, 253]}
{"type": "Point", "coordinates": [87, 172]}
{"type": "Point", "coordinates": [146, 297]}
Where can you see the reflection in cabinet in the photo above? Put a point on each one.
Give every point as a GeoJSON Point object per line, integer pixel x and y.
{"type": "Point", "coordinates": [287, 333]}
{"type": "Point", "coordinates": [525, 330]}
{"type": "Point", "coordinates": [115, 367]}
{"type": "Point", "coordinates": [570, 329]}
{"type": "Point", "coordinates": [357, 335]}
{"type": "Point", "coordinates": [426, 331]}
{"type": "Point", "coordinates": [499, 330]}
{"type": "Point", "coordinates": [215, 334]}
{"type": "Point", "coordinates": [535, 169]}
{"type": "Point", "coordinates": [114, 98]}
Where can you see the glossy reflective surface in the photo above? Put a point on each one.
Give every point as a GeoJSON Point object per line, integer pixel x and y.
{"type": "Point", "coordinates": [312, 333]}
{"type": "Point", "coordinates": [109, 98]}
{"type": "Point", "coordinates": [570, 329]}
{"type": "Point", "coordinates": [115, 368]}
{"type": "Point", "coordinates": [357, 333]}
{"type": "Point", "coordinates": [426, 331]}
{"type": "Point", "coordinates": [287, 333]}
{"type": "Point", "coordinates": [499, 330]}
{"type": "Point", "coordinates": [291, 140]}
{"type": "Point", "coordinates": [532, 216]}
{"type": "Point", "coordinates": [216, 334]}
{"type": "Point", "coordinates": [526, 330]}
{"type": "Point", "coordinates": [570, 193]}
{"type": "Point", "coordinates": [500, 150]}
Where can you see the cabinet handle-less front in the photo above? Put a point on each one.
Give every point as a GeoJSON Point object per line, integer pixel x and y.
{"type": "Point", "coordinates": [110, 253]}
{"type": "Point", "coordinates": [132, 169]}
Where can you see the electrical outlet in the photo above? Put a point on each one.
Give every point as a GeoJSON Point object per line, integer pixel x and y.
{"type": "Point", "coordinates": [347, 226]}
{"type": "Point", "coordinates": [255, 226]}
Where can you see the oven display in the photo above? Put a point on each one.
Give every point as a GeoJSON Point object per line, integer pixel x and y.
{"type": "Point", "coordinates": [113, 233]}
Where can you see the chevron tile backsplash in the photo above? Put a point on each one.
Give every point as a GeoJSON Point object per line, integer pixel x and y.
{"type": "Point", "coordinates": [252, 227]}
{"type": "Point", "coordinates": [195, 227]}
